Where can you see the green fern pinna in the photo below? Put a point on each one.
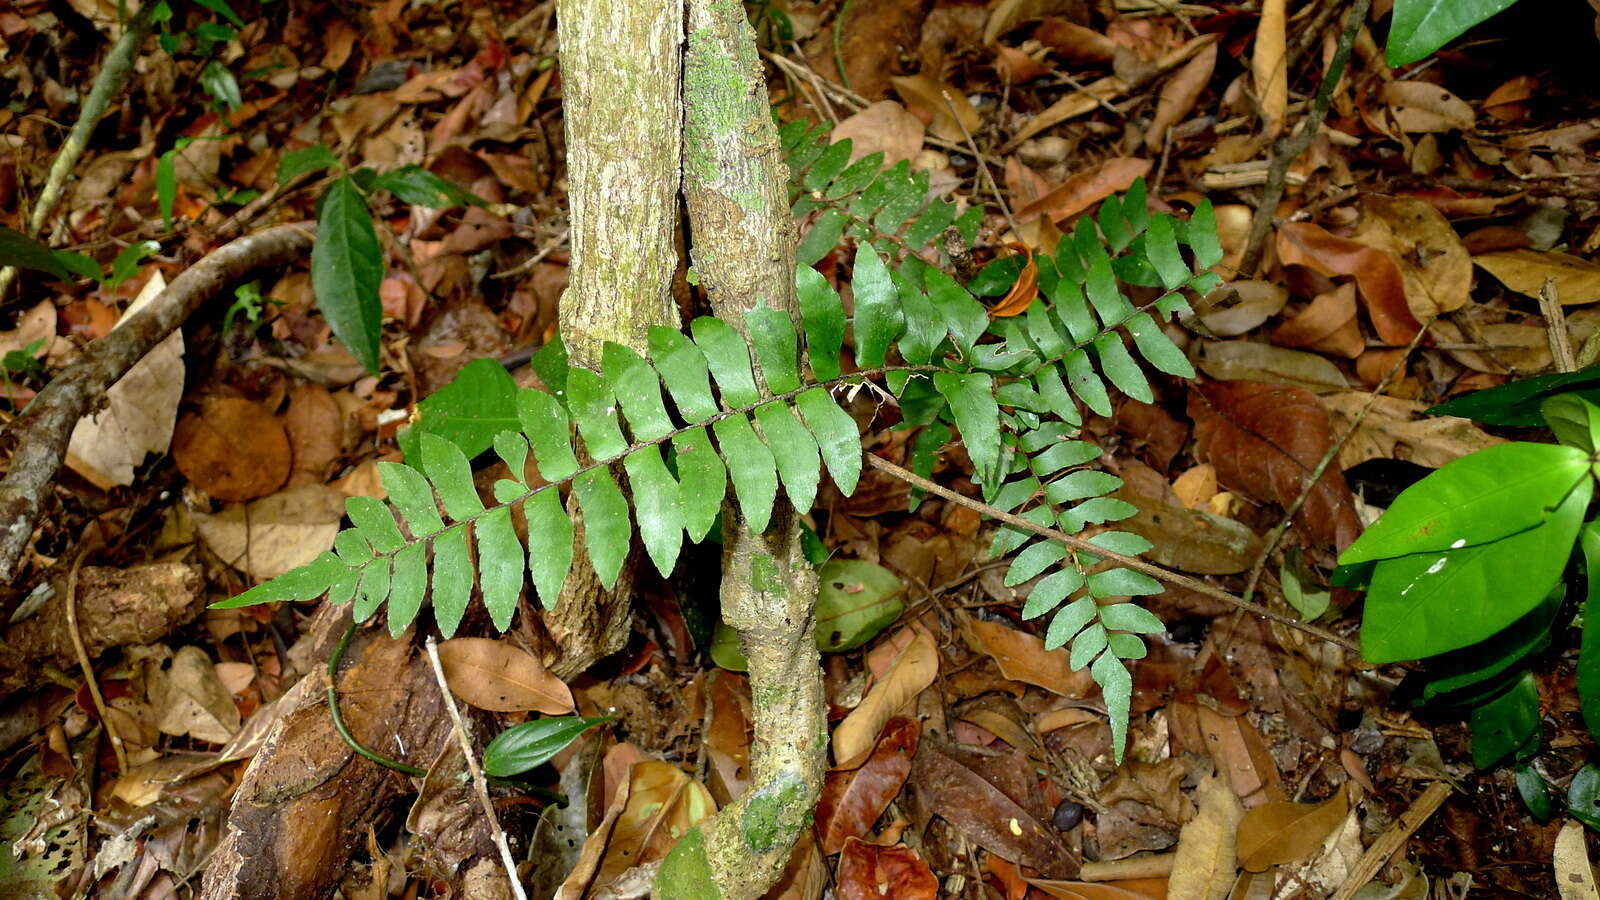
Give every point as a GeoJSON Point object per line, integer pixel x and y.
{"type": "Point", "coordinates": [709, 408]}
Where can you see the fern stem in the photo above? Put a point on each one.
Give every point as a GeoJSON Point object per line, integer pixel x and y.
{"type": "Point", "coordinates": [1132, 562]}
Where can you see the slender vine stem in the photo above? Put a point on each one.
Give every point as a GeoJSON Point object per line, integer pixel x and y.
{"type": "Point", "coordinates": [338, 717]}
{"type": "Point", "coordinates": [1132, 562]}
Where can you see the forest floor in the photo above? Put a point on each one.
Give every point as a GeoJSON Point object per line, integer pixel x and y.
{"type": "Point", "coordinates": [1262, 760]}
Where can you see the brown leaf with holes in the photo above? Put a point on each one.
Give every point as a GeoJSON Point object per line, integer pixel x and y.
{"type": "Point", "coordinates": [1382, 286]}
{"type": "Point", "coordinates": [870, 872]}
{"type": "Point", "coordinates": [502, 677]}
{"type": "Point", "coordinates": [1022, 293]}
{"type": "Point", "coordinates": [853, 800]}
{"type": "Point", "coordinates": [1265, 440]}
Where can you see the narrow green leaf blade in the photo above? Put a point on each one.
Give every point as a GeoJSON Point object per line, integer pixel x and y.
{"type": "Point", "coordinates": [977, 418]}
{"type": "Point", "coordinates": [1161, 249]}
{"type": "Point", "coordinates": [607, 530]}
{"type": "Point", "coordinates": [595, 409]}
{"type": "Point", "coordinates": [638, 389]}
{"type": "Point", "coordinates": [1116, 685]}
{"type": "Point", "coordinates": [794, 451]}
{"type": "Point", "coordinates": [1589, 650]}
{"type": "Point", "coordinates": [1155, 346]}
{"type": "Point", "coordinates": [1085, 384]}
{"type": "Point", "coordinates": [1119, 366]}
{"type": "Point", "coordinates": [451, 475]}
{"type": "Point", "coordinates": [752, 468]}
{"type": "Point", "coordinates": [822, 317]}
{"type": "Point", "coordinates": [304, 161]}
{"type": "Point", "coordinates": [878, 319]}
{"type": "Point", "coordinates": [772, 335]}
{"type": "Point", "coordinates": [372, 518]}
{"type": "Point", "coordinates": [531, 744]}
{"type": "Point", "coordinates": [729, 359]}
{"type": "Point", "coordinates": [549, 433]}
{"type": "Point", "coordinates": [453, 578]}
{"type": "Point", "coordinates": [410, 583]}
{"type": "Point", "coordinates": [964, 316]}
{"type": "Point", "coordinates": [657, 505]}
{"type": "Point", "coordinates": [683, 368]}
{"type": "Point", "coordinates": [500, 565]}
{"type": "Point", "coordinates": [549, 544]}
{"type": "Point", "coordinates": [837, 437]}
{"type": "Point", "coordinates": [346, 268]}
{"type": "Point", "coordinates": [702, 481]}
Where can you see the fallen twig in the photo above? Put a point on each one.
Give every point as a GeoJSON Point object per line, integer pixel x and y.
{"type": "Point", "coordinates": [112, 76]}
{"type": "Point", "coordinates": [478, 781]}
{"type": "Point", "coordinates": [87, 666]}
{"type": "Point", "coordinates": [1555, 327]}
{"type": "Point", "coordinates": [41, 432]}
{"type": "Point", "coordinates": [1289, 148]}
{"type": "Point", "coordinates": [1388, 842]}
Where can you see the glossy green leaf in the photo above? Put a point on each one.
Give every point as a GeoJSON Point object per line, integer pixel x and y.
{"type": "Point", "coordinates": [964, 318]}
{"type": "Point", "coordinates": [820, 238]}
{"type": "Point", "coordinates": [1589, 650]}
{"type": "Point", "coordinates": [453, 578]}
{"type": "Point", "coordinates": [451, 476]}
{"type": "Point", "coordinates": [683, 369]}
{"type": "Point", "coordinates": [23, 252]}
{"type": "Point", "coordinates": [1495, 492]}
{"type": "Point", "coordinates": [977, 418]}
{"type": "Point", "coordinates": [550, 536]}
{"type": "Point", "coordinates": [1517, 404]}
{"type": "Point", "coordinates": [500, 565]}
{"type": "Point", "coordinates": [480, 402]}
{"type": "Point", "coordinates": [607, 530]}
{"type": "Point", "coordinates": [346, 268]}
{"type": "Point", "coordinates": [924, 328]}
{"type": "Point", "coordinates": [1097, 511]}
{"type": "Point", "coordinates": [1202, 236]}
{"type": "Point", "coordinates": [729, 359]}
{"type": "Point", "coordinates": [657, 506]}
{"type": "Point", "coordinates": [822, 316]}
{"type": "Point", "coordinates": [1116, 685]}
{"type": "Point", "coordinates": [878, 319]}
{"type": "Point", "coordinates": [1300, 590]}
{"type": "Point", "coordinates": [1155, 346]}
{"type": "Point", "coordinates": [1121, 369]}
{"type": "Point", "coordinates": [1535, 793]}
{"type": "Point", "coordinates": [512, 448]}
{"type": "Point", "coordinates": [1123, 542]}
{"type": "Point", "coordinates": [1575, 421]}
{"type": "Point", "coordinates": [837, 437]}
{"type": "Point", "coordinates": [638, 389]}
{"type": "Point", "coordinates": [531, 744]}
{"type": "Point", "coordinates": [1063, 455]}
{"type": "Point", "coordinates": [1506, 724]}
{"type": "Point", "coordinates": [1583, 796]}
{"type": "Point", "coordinates": [1428, 603]}
{"type": "Point", "coordinates": [167, 185]}
{"type": "Point", "coordinates": [549, 433]}
{"type": "Point", "coordinates": [772, 335]}
{"type": "Point", "coordinates": [1420, 27]}
{"type": "Point", "coordinates": [304, 161]}
{"type": "Point", "coordinates": [409, 584]}
{"type": "Point", "coordinates": [702, 481]}
{"type": "Point", "coordinates": [794, 451]}
{"type": "Point", "coordinates": [418, 186]}
{"type": "Point", "coordinates": [594, 408]}
{"type": "Point", "coordinates": [751, 467]}
{"type": "Point", "coordinates": [856, 600]}
{"type": "Point", "coordinates": [1462, 676]}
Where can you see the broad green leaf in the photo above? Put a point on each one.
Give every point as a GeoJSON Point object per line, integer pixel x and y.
{"type": "Point", "coordinates": [297, 585]}
{"type": "Point", "coordinates": [1461, 677]}
{"type": "Point", "coordinates": [1575, 421]}
{"type": "Point", "coordinates": [418, 186]}
{"type": "Point", "coordinates": [1043, 331]}
{"type": "Point", "coordinates": [1116, 685]}
{"type": "Point", "coordinates": [549, 544]}
{"type": "Point", "coordinates": [1300, 590]}
{"type": "Point", "coordinates": [352, 547]}
{"type": "Point", "coordinates": [1069, 620]}
{"type": "Point", "coordinates": [451, 476]}
{"type": "Point", "coordinates": [822, 317]}
{"type": "Point", "coordinates": [1202, 236]}
{"type": "Point", "coordinates": [1101, 287]}
{"type": "Point", "coordinates": [594, 408]}
{"type": "Point", "coordinates": [702, 481]}
{"type": "Point", "coordinates": [512, 448]}
{"type": "Point", "coordinates": [1081, 484]}
{"type": "Point", "coordinates": [1121, 369]}
{"type": "Point", "coordinates": [657, 506]}
{"type": "Point", "coordinates": [724, 649]}
{"type": "Point", "coordinates": [1123, 583]}
{"type": "Point", "coordinates": [549, 362]}
{"type": "Point", "coordinates": [977, 418]}
{"type": "Point", "coordinates": [683, 368]}
{"type": "Point", "coordinates": [500, 565]}
{"type": "Point", "coordinates": [906, 196]}
{"type": "Point", "coordinates": [1517, 404]}
{"type": "Point", "coordinates": [346, 268]}
{"type": "Point", "coordinates": [480, 402]}
{"type": "Point", "coordinates": [1009, 538]}
{"type": "Point", "coordinates": [1085, 384]}
{"type": "Point", "coordinates": [751, 466]}
{"type": "Point", "coordinates": [1589, 651]}
{"type": "Point", "coordinates": [1535, 792]}
{"type": "Point", "coordinates": [374, 589]}
{"type": "Point", "coordinates": [729, 359]}
{"type": "Point", "coordinates": [1097, 511]}
{"type": "Point", "coordinates": [794, 451]}
{"type": "Point", "coordinates": [217, 81]}
{"type": "Point", "coordinates": [607, 530]}
{"type": "Point", "coordinates": [1129, 616]}
{"type": "Point", "coordinates": [1430, 602]}
{"type": "Point", "coordinates": [343, 589]}
{"type": "Point", "coordinates": [930, 223]}
{"type": "Point", "coordinates": [549, 433]}
{"type": "Point", "coordinates": [1053, 391]}
{"type": "Point", "coordinates": [167, 185]}
{"type": "Point", "coordinates": [924, 328]}
{"type": "Point", "coordinates": [1136, 206]}
{"type": "Point", "coordinates": [1062, 455]}
{"type": "Point", "coordinates": [1420, 27]}
{"type": "Point", "coordinates": [304, 161]}
{"type": "Point", "coordinates": [1583, 796]}
{"type": "Point", "coordinates": [837, 437]}
{"type": "Point", "coordinates": [1155, 346]}
{"type": "Point", "coordinates": [964, 317]}
{"type": "Point", "coordinates": [820, 238]}
{"type": "Point", "coordinates": [1031, 562]}
{"type": "Point", "coordinates": [1051, 590]}
{"type": "Point", "coordinates": [997, 276]}
{"type": "Point", "coordinates": [126, 265]}
{"type": "Point", "coordinates": [1495, 492]}
{"type": "Point", "coordinates": [772, 336]}
{"type": "Point", "coordinates": [830, 163]}
{"type": "Point", "coordinates": [878, 319]}
{"type": "Point", "coordinates": [372, 518]}
{"type": "Point", "coordinates": [23, 252]}
{"type": "Point", "coordinates": [856, 600]}
{"type": "Point", "coordinates": [638, 389]}
{"type": "Point", "coordinates": [856, 176]}
{"type": "Point", "coordinates": [1506, 724]}
{"type": "Point", "coordinates": [1113, 225]}
{"type": "Point", "coordinates": [409, 585]}
{"type": "Point", "coordinates": [1087, 645]}
{"type": "Point", "coordinates": [531, 744]}
{"type": "Point", "coordinates": [1161, 249]}
{"type": "Point", "coordinates": [453, 578]}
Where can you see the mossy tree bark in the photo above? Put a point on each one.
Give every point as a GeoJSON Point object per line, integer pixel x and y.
{"type": "Point", "coordinates": [620, 65]}
{"type": "Point", "coordinates": [743, 243]}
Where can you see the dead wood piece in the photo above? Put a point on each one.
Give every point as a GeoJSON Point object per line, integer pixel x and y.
{"type": "Point", "coordinates": [289, 831]}
{"type": "Point", "coordinates": [116, 608]}
{"type": "Point", "coordinates": [41, 432]}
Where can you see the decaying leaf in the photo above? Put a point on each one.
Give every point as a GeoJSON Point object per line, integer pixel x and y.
{"type": "Point", "coordinates": [930, 95]}
{"type": "Point", "coordinates": [870, 872]}
{"type": "Point", "coordinates": [1204, 867]}
{"type": "Point", "coordinates": [1328, 325]}
{"type": "Point", "coordinates": [1277, 833]}
{"type": "Point", "coordinates": [501, 677]}
{"type": "Point", "coordinates": [270, 536]}
{"type": "Point", "coordinates": [232, 448]}
{"type": "Point", "coordinates": [1524, 271]}
{"type": "Point", "coordinates": [1424, 246]}
{"type": "Point", "coordinates": [1376, 273]}
{"type": "Point", "coordinates": [1022, 657]}
{"type": "Point", "coordinates": [913, 670]}
{"type": "Point", "coordinates": [190, 700]}
{"type": "Point", "coordinates": [853, 799]}
{"type": "Point", "coordinates": [1270, 66]}
{"type": "Point", "coordinates": [1397, 429]}
{"type": "Point", "coordinates": [884, 127]}
{"type": "Point", "coordinates": [987, 816]}
{"type": "Point", "coordinates": [1023, 291]}
{"type": "Point", "coordinates": [1086, 188]}
{"type": "Point", "coordinates": [1249, 361]}
{"type": "Point", "coordinates": [1418, 106]}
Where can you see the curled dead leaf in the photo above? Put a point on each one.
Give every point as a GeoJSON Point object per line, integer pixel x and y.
{"type": "Point", "coordinates": [1022, 293]}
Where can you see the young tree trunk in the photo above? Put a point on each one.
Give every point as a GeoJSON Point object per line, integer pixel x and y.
{"type": "Point", "coordinates": [619, 72]}
{"type": "Point", "coordinates": [735, 182]}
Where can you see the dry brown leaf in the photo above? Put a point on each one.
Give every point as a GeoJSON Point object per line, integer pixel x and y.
{"type": "Point", "coordinates": [870, 872]}
{"type": "Point", "coordinates": [1421, 107]}
{"type": "Point", "coordinates": [232, 448]}
{"type": "Point", "coordinates": [501, 677]}
{"type": "Point", "coordinates": [1190, 540]}
{"type": "Point", "coordinates": [1086, 188]}
{"type": "Point", "coordinates": [190, 700]}
{"type": "Point", "coordinates": [1376, 272]}
{"type": "Point", "coordinates": [1196, 486]}
{"type": "Point", "coordinates": [1524, 271]}
{"type": "Point", "coordinates": [1328, 325]}
{"type": "Point", "coordinates": [268, 537]}
{"type": "Point", "coordinates": [1075, 43]}
{"type": "Point", "coordinates": [852, 800]}
{"type": "Point", "coordinates": [1429, 254]}
{"type": "Point", "coordinates": [1510, 347]}
{"type": "Point", "coordinates": [1398, 429]}
{"type": "Point", "coordinates": [1249, 361]}
{"type": "Point", "coordinates": [1206, 854]}
{"type": "Point", "coordinates": [1094, 890]}
{"type": "Point", "coordinates": [1008, 14]}
{"type": "Point", "coordinates": [727, 735]}
{"type": "Point", "coordinates": [985, 814]}
{"type": "Point", "coordinates": [1022, 657]}
{"type": "Point", "coordinates": [662, 804]}
{"type": "Point", "coordinates": [914, 670]}
{"type": "Point", "coordinates": [1574, 875]}
{"type": "Point", "coordinates": [920, 91]}
{"type": "Point", "coordinates": [1276, 833]}
{"type": "Point", "coordinates": [1178, 95]}
{"type": "Point", "coordinates": [1241, 754]}
{"type": "Point", "coordinates": [37, 324]}
{"type": "Point", "coordinates": [1269, 65]}
{"type": "Point", "coordinates": [1266, 440]}
{"type": "Point", "coordinates": [1240, 306]}
{"type": "Point", "coordinates": [1022, 293]}
{"type": "Point", "coordinates": [315, 428]}
{"type": "Point", "coordinates": [140, 409]}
